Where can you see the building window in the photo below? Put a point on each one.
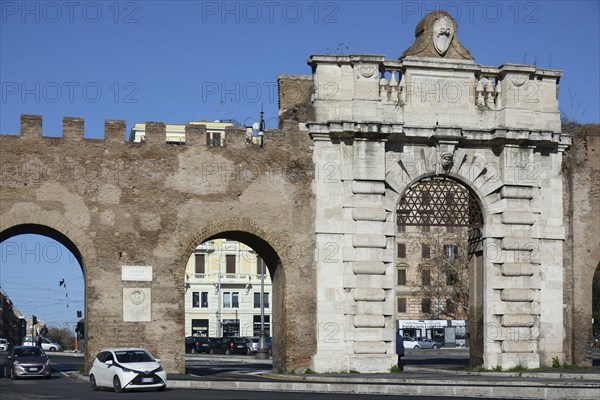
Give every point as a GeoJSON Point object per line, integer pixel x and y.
{"type": "Point", "coordinates": [200, 263]}
{"type": "Point", "coordinates": [230, 264]}
{"type": "Point", "coordinates": [257, 300]}
{"type": "Point", "coordinates": [204, 300]}
{"type": "Point", "coordinates": [231, 299]}
{"type": "Point", "coordinates": [401, 277]}
{"type": "Point", "coordinates": [256, 324]}
{"type": "Point", "coordinates": [195, 299]}
{"type": "Point", "coordinates": [426, 306]}
{"type": "Point", "coordinates": [426, 277]}
{"type": "Point", "coordinates": [401, 250]}
{"type": "Point", "coordinates": [400, 224]}
{"type": "Point", "coordinates": [425, 251]}
{"type": "Point", "coordinates": [401, 304]}
{"type": "Point", "coordinates": [451, 278]}
{"type": "Point", "coordinates": [450, 251]}
{"type": "Point", "coordinates": [426, 225]}
{"type": "Point", "coordinates": [260, 266]}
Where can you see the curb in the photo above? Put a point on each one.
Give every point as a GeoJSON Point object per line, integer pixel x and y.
{"type": "Point", "coordinates": [397, 387]}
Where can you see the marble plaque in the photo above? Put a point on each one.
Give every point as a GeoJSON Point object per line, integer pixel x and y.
{"type": "Point", "coordinates": [137, 305]}
{"type": "Point", "coordinates": [136, 273]}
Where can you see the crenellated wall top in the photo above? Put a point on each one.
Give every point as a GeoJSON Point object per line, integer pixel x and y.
{"type": "Point", "coordinates": [156, 134]}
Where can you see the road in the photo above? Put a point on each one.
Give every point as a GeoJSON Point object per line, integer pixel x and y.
{"type": "Point", "coordinates": [214, 368]}
{"type": "Point", "coordinates": [61, 387]}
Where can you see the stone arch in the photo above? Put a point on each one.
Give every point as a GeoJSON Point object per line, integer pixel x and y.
{"type": "Point", "coordinates": [243, 230]}
{"type": "Point", "coordinates": [482, 178]}
{"type": "Point", "coordinates": [278, 252]}
{"type": "Point", "coordinates": [32, 220]}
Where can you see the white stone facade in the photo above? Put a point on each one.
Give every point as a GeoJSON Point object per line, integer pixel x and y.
{"type": "Point", "coordinates": [381, 125]}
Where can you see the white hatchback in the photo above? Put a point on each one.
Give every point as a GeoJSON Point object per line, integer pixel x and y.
{"type": "Point", "coordinates": [127, 368]}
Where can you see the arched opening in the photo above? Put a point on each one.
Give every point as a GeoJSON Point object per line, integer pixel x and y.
{"type": "Point", "coordinates": [42, 273]}
{"type": "Point", "coordinates": [439, 264]}
{"type": "Point", "coordinates": [232, 289]}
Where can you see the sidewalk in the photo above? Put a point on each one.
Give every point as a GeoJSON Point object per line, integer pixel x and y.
{"type": "Point", "coordinates": [413, 381]}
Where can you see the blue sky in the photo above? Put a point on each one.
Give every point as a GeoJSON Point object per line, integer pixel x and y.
{"type": "Point", "coordinates": [179, 61]}
{"type": "Point", "coordinates": [188, 60]}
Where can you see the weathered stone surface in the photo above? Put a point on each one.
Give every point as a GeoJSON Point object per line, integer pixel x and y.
{"type": "Point", "coordinates": [518, 320]}
{"type": "Point", "coordinates": [115, 203]}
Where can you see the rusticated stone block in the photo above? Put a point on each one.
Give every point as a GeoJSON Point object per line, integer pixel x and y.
{"type": "Point", "coordinates": [371, 347]}
{"type": "Point", "coordinates": [517, 269]}
{"type": "Point", "coordinates": [369, 214]}
{"type": "Point", "coordinates": [374, 241]}
{"type": "Point", "coordinates": [522, 346]}
{"type": "Point", "coordinates": [369, 321]}
{"type": "Point", "coordinates": [517, 320]}
{"type": "Point", "coordinates": [369, 267]}
{"type": "Point", "coordinates": [369, 294]}
{"type": "Point", "coordinates": [525, 295]}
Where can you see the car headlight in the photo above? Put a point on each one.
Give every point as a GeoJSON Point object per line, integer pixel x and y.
{"type": "Point", "coordinates": [159, 369]}
{"type": "Point", "coordinates": [16, 363]}
{"type": "Point", "coordinates": [126, 369]}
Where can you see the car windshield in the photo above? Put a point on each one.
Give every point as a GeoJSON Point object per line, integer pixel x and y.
{"type": "Point", "coordinates": [133, 356]}
{"type": "Point", "coordinates": [29, 352]}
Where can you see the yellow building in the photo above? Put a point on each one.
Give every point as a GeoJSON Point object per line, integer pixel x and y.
{"type": "Point", "coordinates": [222, 291]}
{"type": "Point", "coordinates": [215, 132]}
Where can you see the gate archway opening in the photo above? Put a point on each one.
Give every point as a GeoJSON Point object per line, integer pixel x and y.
{"type": "Point", "coordinates": [229, 279]}
{"type": "Point", "coordinates": [43, 274]}
{"type": "Point", "coordinates": [440, 261]}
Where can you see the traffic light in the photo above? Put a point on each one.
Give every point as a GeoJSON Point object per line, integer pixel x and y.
{"type": "Point", "coordinates": [33, 320]}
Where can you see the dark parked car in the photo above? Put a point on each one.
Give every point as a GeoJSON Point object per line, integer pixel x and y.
{"type": "Point", "coordinates": [27, 361]}
{"type": "Point", "coordinates": [229, 345]}
{"type": "Point", "coordinates": [197, 344]}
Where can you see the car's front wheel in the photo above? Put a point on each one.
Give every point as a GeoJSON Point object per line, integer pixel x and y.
{"type": "Point", "coordinates": [434, 346]}
{"type": "Point", "coordinates": [117, 384]}
{"type": "Point", "coordinates": [417, 347]}
{"type": "Point", "coordinates": [52, 349]}
{"type": "Point", "coordinates": [93, 383]}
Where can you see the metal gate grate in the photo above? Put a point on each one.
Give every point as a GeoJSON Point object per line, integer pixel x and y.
{"type": "Point", "coordinates": [439, 201]}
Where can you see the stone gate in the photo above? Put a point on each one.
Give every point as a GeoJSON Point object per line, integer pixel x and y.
{"type": "Point", "coordinates": [319, 204]}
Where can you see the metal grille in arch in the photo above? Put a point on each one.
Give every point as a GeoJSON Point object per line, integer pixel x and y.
{"type": "Point", "coordinates": [439, 201]}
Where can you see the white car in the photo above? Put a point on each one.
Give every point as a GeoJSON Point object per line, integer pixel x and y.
{"type": "Point", "coordinates": [127, 368]}
{"type": "Point", "coordinates": [411, 343]}
{"type": "Point", "coordinates": [3, 344]}
{"type": "Point", "coordinates": [47, 344]}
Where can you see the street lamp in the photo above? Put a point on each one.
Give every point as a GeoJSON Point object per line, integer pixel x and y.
{"type": "Point", "coordinates": [262, 353]}
{"type": "Point", "coordinates": [211, 250]}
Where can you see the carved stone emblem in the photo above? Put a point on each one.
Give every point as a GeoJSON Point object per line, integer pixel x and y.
{"type": "Point", "coordinates": [443, 33]}
{"type": "Point", "coordinates": [447, 161]}
{"type": "Point", "coordinates": [366, 70]}
{"type": "Point", "coordinates": [137, 297]}
{"type": "Point", "coordinates": [518, 80]}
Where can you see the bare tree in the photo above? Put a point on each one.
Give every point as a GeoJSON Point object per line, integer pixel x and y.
{"type": "Point", "coordinates": [443, 274]}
